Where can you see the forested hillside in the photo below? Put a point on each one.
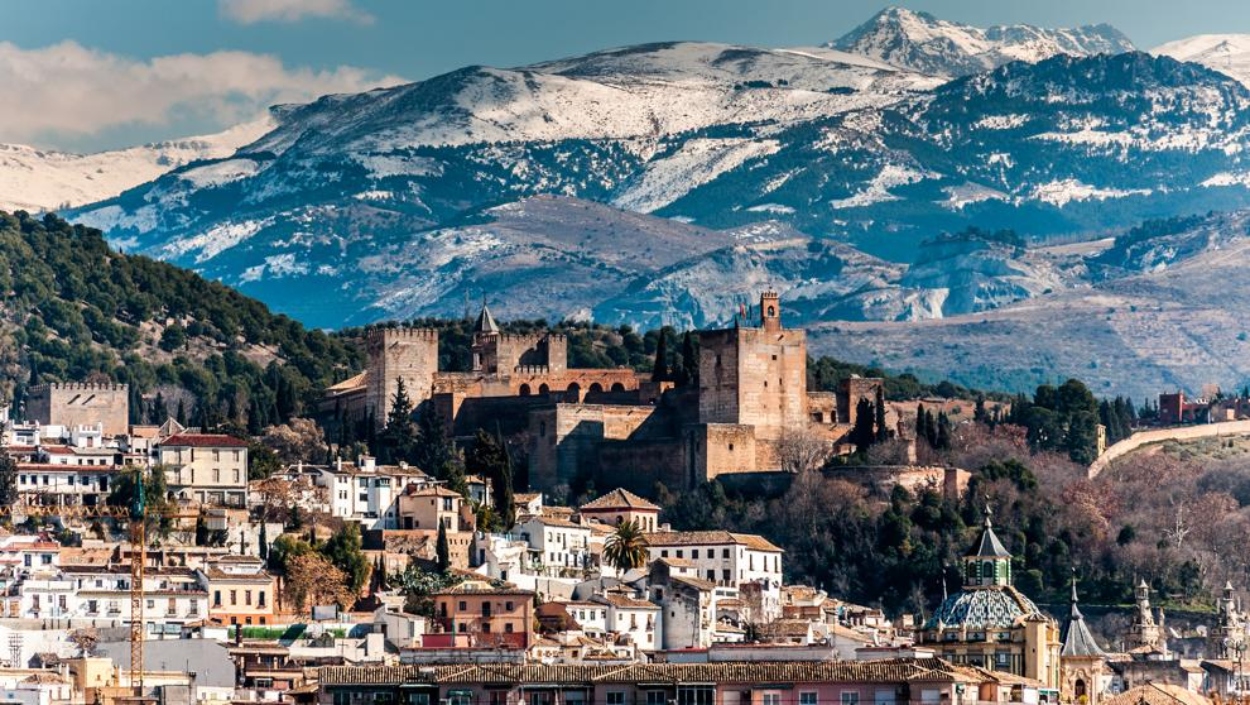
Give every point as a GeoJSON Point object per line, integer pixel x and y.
{"type": "Point", "coordinates": [76, 310]}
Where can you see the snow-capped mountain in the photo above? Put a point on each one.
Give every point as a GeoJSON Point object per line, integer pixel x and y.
{"type": "Point", "coordinates": [398, 202]}
{"type": "Point", "coordinates": [35, 179]}
{"type": "Point", "coordinates": [1227, 53]}
{"type": "Point", "coordinates": [921, 42]}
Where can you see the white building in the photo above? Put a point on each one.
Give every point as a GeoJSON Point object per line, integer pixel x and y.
{"type": "Point", "coordinates": [207, 468]}
{"type": "Point", "coordinates": [639, 620]}
{"type": "Point", "coordinates": [558, 544]}
{"type": "Point", "coordinates": [65, 484]}
{"type": "Point", "coordinates": [366, 492]}
{"type": "Point", "coordinates": [172, 595]}
{"type": "Point", "coordinates": [748, 562]}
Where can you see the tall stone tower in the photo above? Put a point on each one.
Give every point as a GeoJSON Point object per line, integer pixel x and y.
{"type": "Point", "coordinates": [755, 376]}
{"type": "Point", "coordinates": [394, 353]}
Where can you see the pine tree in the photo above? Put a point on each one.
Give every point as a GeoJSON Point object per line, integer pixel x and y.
{"type": "Point", "coordinates": [442, 550]}
{"type": "Point", "coordinates": [399, 438]}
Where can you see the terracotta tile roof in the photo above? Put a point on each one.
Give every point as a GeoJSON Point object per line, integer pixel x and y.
{"type": "Point", "coordinates": [349, 384]}
{"type": "Point", "coordinates": [1157, 694]}
{"type": "Point", "coordinates": [697, 583]}
{"type": "Point", "coordinates": [203, 440]}
{"type": "Point", "coordinates": [884, 671]}
{"type": "Point", "coordinates": [617, 599]}
{"type": "Point", "coordinates": [436, 491]}
{"type": "Point", "coordinates": [710, 538]}
{"type": "Point", "coordinates": [561, 523]}
{"type": "Point", "coordinates": [478, 587]}
{"type": "Point", "coordinates": [619, 499]}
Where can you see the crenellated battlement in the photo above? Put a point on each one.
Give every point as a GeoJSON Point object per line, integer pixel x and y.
{"type": "Point", "coordinates": [81, 386]}
{"type": "Point", "coordinates": [526, 338]}
{"type": "Point", "coordinates": [532, 370]}
{"type": "Point", "coordinates": [421, 334]}
{"type": "Point", "coordinates": [81, 404]}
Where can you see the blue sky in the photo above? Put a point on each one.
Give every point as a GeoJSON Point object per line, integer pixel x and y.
{"type": "Point", "coordinates": [94, 74]}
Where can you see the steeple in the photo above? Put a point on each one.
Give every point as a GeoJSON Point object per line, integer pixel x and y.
{"type": "Point", "coordinates": [988, 562]}
{"type": "Point", "coordinates": [485, 323]}
{"type": "Point", "coordinates": [1077, 639]}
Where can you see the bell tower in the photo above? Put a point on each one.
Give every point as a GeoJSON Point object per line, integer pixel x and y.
{"type": "Point", "coordinates": [770, 311]}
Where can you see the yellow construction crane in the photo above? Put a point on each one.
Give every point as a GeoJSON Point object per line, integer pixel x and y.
{"type": "Point", "coordinates": [136, 516]}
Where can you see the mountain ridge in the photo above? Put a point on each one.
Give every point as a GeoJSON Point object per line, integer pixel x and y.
{"type": "Point", "coordinates": [921, 42]}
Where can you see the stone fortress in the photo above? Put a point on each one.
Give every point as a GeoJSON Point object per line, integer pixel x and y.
{"type": "Point", "coordinates": [615, 427]}
{"type": "Point", "coordinates": [74, 404]}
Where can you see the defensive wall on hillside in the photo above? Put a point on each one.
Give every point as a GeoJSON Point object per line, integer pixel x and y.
{"type": "Point", "coordinates": [1179, 433]}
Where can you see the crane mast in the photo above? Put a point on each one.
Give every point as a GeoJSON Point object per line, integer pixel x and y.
{"type": "Point", "coordinates": [138, 561]}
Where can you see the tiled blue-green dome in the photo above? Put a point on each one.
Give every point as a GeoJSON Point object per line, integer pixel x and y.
{"type": "Point", "coordinates": [979, 609]}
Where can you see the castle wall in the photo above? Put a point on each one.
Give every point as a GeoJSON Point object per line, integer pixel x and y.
{"type": "Point", "coordinates": [410, 353]}
{"type": "Point", "coordinates": [850, 391]}
{"type": "Point", "coordinates": [637, 465]}
{"type": "Point", "coordinates": [822, 408]}
{"type": "Point", "coordinates": [718, 376]}
{"type": "Point", "coordinates": [513, 351]}
{"type": "Point", "coordinates": [74, 404]}
{"type": "Point", "coordinates": [566, 439]}
{"type": "Point", "coordinates": [719, 449]}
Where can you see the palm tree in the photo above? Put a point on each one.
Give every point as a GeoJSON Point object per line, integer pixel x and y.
{"type": "Point", "coordinates": [626, 548]}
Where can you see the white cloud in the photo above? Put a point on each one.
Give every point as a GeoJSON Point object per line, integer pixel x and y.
{"type": "Point", "coordinates": [70, 91]}
{"type": "Point", "coordinates": [252, 11]}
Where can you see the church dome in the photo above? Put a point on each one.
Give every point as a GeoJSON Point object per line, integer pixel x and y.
{"type": "Point", "coordinates": [979, 609]}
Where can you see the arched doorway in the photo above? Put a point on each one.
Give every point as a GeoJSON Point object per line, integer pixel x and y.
{"type": "Point", "coordinates": [544, 389]}
{"type": "Point", "coordinates": [574, 393]}
{"type": "Point", "coordinates": [595, 388]}
{"type": "Point", "coordinates": [525, 390]}
{"type": "Point", "coordinates": [618, 387]}
{"type": "Point", "coordinates": [1078, 689]}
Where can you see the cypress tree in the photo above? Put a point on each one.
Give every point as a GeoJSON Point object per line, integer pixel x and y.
{"type": "Point", "coordinates": [659, 371]}
{"type": "Point", "coordinates": [862, 434]}
{"type": "Point", "coordinates": [442, 550]}
{"type": "Point", "coordinates": [264, 542]}
{"type": "Point", "coordinates": [883, 430]}
{"type": "Point", "coordinates": [690, 358]}
{"type": "Point", "coordinates": [943, 438]}
{"type": "Point", "coordinates": [920, 430]}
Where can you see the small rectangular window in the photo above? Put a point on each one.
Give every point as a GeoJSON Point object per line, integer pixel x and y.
{"type": "Point", "coordinates": [808, 698]}
{"type": "Point", "coordinates": [850, 697]}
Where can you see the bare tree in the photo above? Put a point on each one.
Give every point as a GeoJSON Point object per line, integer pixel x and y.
{"type": "Point", "coordinates": [802, 450]}
{"type": "Point", "coordinates": [300, 441]}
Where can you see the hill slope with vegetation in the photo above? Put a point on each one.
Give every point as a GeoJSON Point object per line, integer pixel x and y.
{"type": "Point", "coordinates": [77, 310]}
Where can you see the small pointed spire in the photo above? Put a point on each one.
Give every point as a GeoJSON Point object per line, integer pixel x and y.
{"type": "Point", "coordinates": [944, 595]}
{"type": "Point", "coordinates": [1074, 598]}
{"type": "Point", "coordinates": [989, 514]}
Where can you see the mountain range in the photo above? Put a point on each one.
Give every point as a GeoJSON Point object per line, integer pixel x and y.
{"type": "Point", "coordinates": [915, 169]}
